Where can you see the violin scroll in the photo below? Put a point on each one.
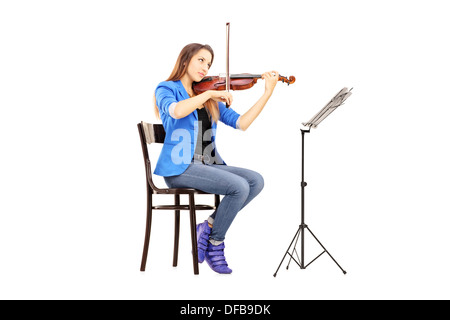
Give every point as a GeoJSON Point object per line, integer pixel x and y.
{"type": "Point", "coordinates": [284, 79]}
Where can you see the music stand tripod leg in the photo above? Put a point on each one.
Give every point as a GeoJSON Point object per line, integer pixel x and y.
{"type": "Point", "coordinates": [302, 230]}
{"type": "Point", "coordinates": [287, 251]}
{"type": "Point", "coordinates": [325, 250]}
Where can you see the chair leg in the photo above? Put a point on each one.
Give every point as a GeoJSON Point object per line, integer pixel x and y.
{"type": "Point", "coordinates": [216, 200]}
{"type": "Point", "coordinates": [193, 232]}
{"type": "Point", "coordinates": [176, 240]}
{"type": "Point", "coordinates": [148, 226]}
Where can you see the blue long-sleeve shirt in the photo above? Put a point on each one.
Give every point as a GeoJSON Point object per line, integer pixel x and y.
{"type": "Point", "coordinates": [181, 134]}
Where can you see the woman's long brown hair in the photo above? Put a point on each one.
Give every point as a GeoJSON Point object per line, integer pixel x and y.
{"type": "Point", "coordinates": [180, 68]}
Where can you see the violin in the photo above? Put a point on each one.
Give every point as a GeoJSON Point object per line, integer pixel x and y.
{"type": "Point", "coordinates": [236, 82]}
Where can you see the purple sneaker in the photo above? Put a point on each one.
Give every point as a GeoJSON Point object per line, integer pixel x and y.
{"type": "Point", "coordinates": [216, 259]}
{"type": "Point", "coordinates": [203, 231]}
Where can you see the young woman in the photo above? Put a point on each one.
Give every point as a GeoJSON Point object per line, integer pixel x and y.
{"type": "Point", "coordinates": [189, 157]}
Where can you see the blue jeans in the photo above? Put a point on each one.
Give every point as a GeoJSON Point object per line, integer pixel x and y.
{"type": "Point", "coordinates": [238, 185]}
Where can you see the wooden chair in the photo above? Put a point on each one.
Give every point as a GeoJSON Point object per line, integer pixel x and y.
{"type": "Point", "coordinates": [154, 133]}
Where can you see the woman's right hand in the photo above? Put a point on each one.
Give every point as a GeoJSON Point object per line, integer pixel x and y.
{"type": "Point", "coordinates": [221, 96]}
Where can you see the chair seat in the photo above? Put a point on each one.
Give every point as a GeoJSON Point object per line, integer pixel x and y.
{"type": "Point", "coordinates": [177, 191]}
{"type": "Point", "coordinates": [183, 207]}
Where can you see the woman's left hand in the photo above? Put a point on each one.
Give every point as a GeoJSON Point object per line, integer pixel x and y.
{"type": "Point", "coordinates": [271, 79]}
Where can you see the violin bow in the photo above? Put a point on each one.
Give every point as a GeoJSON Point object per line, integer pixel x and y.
{"type": "Point", "coordinates": [228, 59]}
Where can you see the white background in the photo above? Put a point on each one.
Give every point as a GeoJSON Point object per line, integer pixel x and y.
{"type": "Point", "coordinates": [77, 76]}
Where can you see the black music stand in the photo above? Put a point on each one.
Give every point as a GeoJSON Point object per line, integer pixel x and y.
{"type": "Point", "coordinates": [335, 102]}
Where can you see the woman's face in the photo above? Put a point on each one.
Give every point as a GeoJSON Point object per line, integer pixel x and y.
{"type": "Point", "coordinates": [199, 65]}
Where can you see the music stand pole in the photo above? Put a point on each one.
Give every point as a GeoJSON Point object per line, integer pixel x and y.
{"type": "Point", "coordinates": [340, 97]}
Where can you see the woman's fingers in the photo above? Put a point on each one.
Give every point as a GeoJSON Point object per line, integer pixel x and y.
{"type": "Point", "coordinates": [225, 97]}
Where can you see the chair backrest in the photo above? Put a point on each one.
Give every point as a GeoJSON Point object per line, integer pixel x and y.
{"type": "Point", "coordinates": [154, 133]}
{"type": "Point", "coordinates": [150, 133]}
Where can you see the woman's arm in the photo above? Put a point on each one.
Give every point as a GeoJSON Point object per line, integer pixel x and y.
{"type": "Point", "coordinates": [271, 79]}
{"type": "Point", "coordinates": [186, 107]}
